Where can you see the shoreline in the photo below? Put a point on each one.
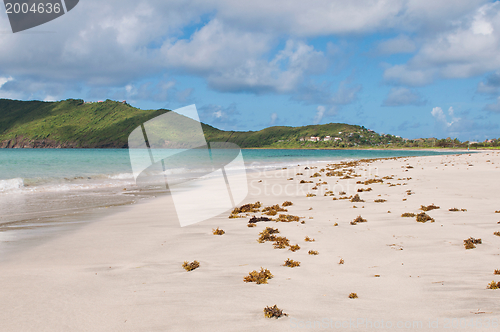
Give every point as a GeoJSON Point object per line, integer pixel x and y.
{"type": "Point", "coordinates": [123, 271]}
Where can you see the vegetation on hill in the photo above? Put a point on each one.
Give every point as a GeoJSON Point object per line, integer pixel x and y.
{"type": "Point", "coordinates": [74, 123]}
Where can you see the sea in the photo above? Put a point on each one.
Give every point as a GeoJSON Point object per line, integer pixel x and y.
{"type": "Point", "coordinates": [42, 189]}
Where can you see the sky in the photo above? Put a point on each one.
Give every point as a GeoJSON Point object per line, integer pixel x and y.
{"type": "Point", "coordinates": [412, 68]}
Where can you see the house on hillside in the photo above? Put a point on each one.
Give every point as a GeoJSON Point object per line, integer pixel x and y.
{"type": "Point", "coordinates": [313, 139]}
{"type": "Point", "coordinates": [327, 138]}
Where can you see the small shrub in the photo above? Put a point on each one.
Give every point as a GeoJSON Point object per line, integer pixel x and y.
{"type": "Point", "coordinates": [408, 215]}
{"type": "Point", "coordinates": [356, 198]}
{"type": "Point", "coordinates": [493, 285]}
{"type": "Point", "coordinates": [308, 239]}
{"type": "Point", "coordinates": [260, 277]}
{"type": "Point", "coordinates": [428, 207]}
{"type": "Point", "coordinates": [287, 203]}
{"type": "Point", "coordinates": [294, 248]}
{"type": "Point", "coordinates": [353, 296]}
{"type": "Point", "coordinates": [281, 242]}
{"type": "Point", "coordinates": [291, 263]}
{"type": "Point", "coordinates": [380, 200]}
{"type": "Point", "coordinates": [274, 312]}
{"type": "Point", "coordinates": [218, 231]}
{"type": "Point", "coordinates": [191, 266]}
{"type": "Point", "coordinates": [423, 217]}
{"type": "Point", "coordinates": [314, 252]}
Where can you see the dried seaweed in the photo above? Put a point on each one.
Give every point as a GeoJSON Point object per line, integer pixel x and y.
{"type": "Point", "coordinates": [254, 219]}
{"type": "Point", "coordinates": [353, 296]}
{"type": "Point", "coordinates": [471, 242]}
{"type": "Point", "coordinates": [312, 252]}
{"type": "Point", "coordinates": [358, 220]}
{"type": "Point", "coordinates": [191, 266]}
{"type": "Point", "coordinates": [428, 207]}
{"type": "Point", "coordinates": [356, 198]}
{"type": "Point", "coordinates": [424, 217]}
{"type": "Point", "coordinates": [408, 215]}
{"type": "Point", "coordinates": [294, 248]}
{"type": "Point", "coordinates": [291, 263]}
{"type": "Point", "coordinates": [287, 203]}
{"type": "Point", "coordinates": [267, 235]}
{"type": "Point", "coordinates": [260, 277]}
{"type": "Point", "coordinates": [380, 200]}
{"type": "Point", "coordinates": [281, 242]}
{"type": "Point", "coordinates": [218, 231]}
{"type": "Point", "coordinates": [274, 312]}
{"type": "Point", "coordinates": [308, 239]}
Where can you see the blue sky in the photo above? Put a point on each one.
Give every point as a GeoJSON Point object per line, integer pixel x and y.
{"type": "Point", "coordinates": [413, 68]}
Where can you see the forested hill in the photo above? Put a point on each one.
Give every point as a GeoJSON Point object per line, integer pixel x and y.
{"type": "Point", "coordinates": [73, 123]}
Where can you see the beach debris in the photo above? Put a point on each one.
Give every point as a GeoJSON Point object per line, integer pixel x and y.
{"type": "Point", "coordinates": [287, 218]}
{"type": "Point", "coordinates": [341, 261]}
{"type": "Point", "coordinates": [493, 285]}
{"type": "Point", "coordinates": [336, 224]}
{"type": "Point", "coordinates": [191, 266]}
{"type": "Point", "coordinates": [357, 220]}
{"type": "Point", "coordinates": [291, 263]}
{"type": "Point", "coordinates": [455, 210]}
{"type": "Point", "coordinates": [424, 217]}
{"type": "Point", "coordinates": [471, 242]}
{"type": "Point", "coordinates": [310, 195]}
{"type": "Point", "coordinates": [260, 277]}
{"type": "Point", "coordinates": [496, 233]}
{"type": "Point", "coordinates": [315, 175]}
{"type": "Point", "coordinates": [360, 190]}
{"type": "Point", "coordinates": [294, 248]}
{"type": "Point", "coordinates": [245, 209]}
{"type": "Point", "coordinates": [289, 179]}
{"type": "Point", "coordinates": [497, 271]}
{"type": "Point", "coordinates": [218, 231]}
{"type": "Point", "coordinates": [287, 203]}
{"type": "Point", "coordinates": [299, 174]}
{"type": "Point", "coordinates": [370, 181]}
{"type": "Point", "coordinates": [342, 193]}
{"type": "Point", "coordinates": [251, 225]}
{"type": "Point", "coordinates": [312, 252]}
{"type": "Point", "coordinates": [308, 239]}
{"type": "Point", "coordinates": [267, 235]}
{"type": "Point", "coordinates": [281, 242]}
{"type": "Point", "coordinates": [274, 312]}
{"type": "Point", "coordinates": [356, 198]}
{"type": "Point", "coordinates": [272, 210]}
{"type": "Point", "coordinates": [428, 207]}
{"type": "Point", "coordinates": [303, 181]}
{"type": "Point", "coordinates": [353, 296]}
{"type": "Point", "coordinates": [408, 215]}
{"type": "Point", "coordinates": [255, 219]}
{"type": "Point", "coordinates": [380, 200]}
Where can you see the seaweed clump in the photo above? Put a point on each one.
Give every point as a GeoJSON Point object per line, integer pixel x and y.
{"type": "Point", "coordinates": [287, 218]}
{"type": "Point", "coordinates": [428, 207]}
{"type": "Point", "coordinates": [408, 215]}
{"type": "Point", "coordinates": [314, 252]}
{"type": "Point", "coordinates": [356, 198]}
{"type": "Point", "coordinates": [424, 217]}
{"type": "Point", "coordinates": [496, 271]}
{"type": "Point", "coordinates": [291, 263]}
{"type": "Point", "coordinates": [357, 220]}
{"type": "Point", "coordinates": [471, 242]}
{"type": "Point", "coordinates": [380, 200]}
{"type": "Point", "coordinates": [281, 242]}
{"type": "Point", "coordinates": [287, 203]}
{"type": "Point", "coordinates": [245, 209]}
{"type": "Point", "coordinates": [191, 266]}
{"type": "Point", "coordinates": [267, 235]}
{"type": "Point", "coordinates": [254, 219]}
{"type": "Point", "coordinates": [272, 210]}
{"type": "Point", "coordinates": [260, 277]}
{"type": "Point", "coordinates": [353, 296]}
{"type": "Point", "coordinates": [493, 285]}
{"type": "Point", "coordinates": [218, 231]}
{"type": "Point", "coordinates": [496, 233]}
{"type": "Point", "coordinates": [274, 312]}
{"type": "Point", "coordinates": [294, 248]}
{"type": "Point", "coordinates": [308, 239]}
{"type": "Point", "coordinates": [456, 210]}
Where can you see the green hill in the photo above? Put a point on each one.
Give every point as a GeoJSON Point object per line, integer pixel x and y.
{"type": "Point", "coordinates": [73, 123]}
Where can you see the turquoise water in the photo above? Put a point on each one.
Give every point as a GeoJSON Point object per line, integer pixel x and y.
{"type": "Point", "coordinates": [42, 185]}
{"type": "Point", "coordinates": [69, 169]}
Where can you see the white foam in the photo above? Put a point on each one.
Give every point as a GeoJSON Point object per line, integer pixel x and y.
{"type": "Point", "coordinates": [11, 184]}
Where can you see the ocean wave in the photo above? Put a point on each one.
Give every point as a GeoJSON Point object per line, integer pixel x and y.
{"type": "Point", "coordinates": [11, 184]}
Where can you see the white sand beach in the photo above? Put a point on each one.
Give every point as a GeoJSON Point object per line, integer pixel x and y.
{"type": "Point", "coordinates": [124, 272]}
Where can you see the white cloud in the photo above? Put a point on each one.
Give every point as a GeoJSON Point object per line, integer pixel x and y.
{"type": "Point", "coordinates": [402, 97]}
{"type": "Point", "coordinates": [438, 114]}
{"type": "Point", "coordinates": [319, 114]}
{"type": "Point", "coordinates": [4, 80]}
{"type": "Point", "coordinates": [220, 116]}
{"type": "Point", "coordinates": [274, 118]}
{"type": "Point", "coordinates": [400, 44]}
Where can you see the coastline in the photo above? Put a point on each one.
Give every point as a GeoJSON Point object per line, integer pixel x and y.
{"type": "Point", "coordinates": [123, 272]}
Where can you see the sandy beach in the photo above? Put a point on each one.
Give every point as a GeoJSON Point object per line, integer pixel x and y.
{"type": "Point", "coordinates": [124, 272]}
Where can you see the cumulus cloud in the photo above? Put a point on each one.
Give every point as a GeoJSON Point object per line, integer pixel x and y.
{"type": "Point", "coordinates": [468, 49]}
{"type": "Point", "coordinates": [274, 118]}
{"type": "Point", "coordinates": [400, 44]}
{"type": "Point", "coordinates": [402, 97]}
{"type": "Point", "coordinates": [441, 118]}
{"type": "Point", "coordinates": [319, 114]}
{"type": "Point", "coordinates": [218, 115]}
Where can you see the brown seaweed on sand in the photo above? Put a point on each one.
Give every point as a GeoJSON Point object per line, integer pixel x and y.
{"type": "Point", "coordinates": [274, 312]}
{"type": "Point", "coordinates": [260, 277]}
